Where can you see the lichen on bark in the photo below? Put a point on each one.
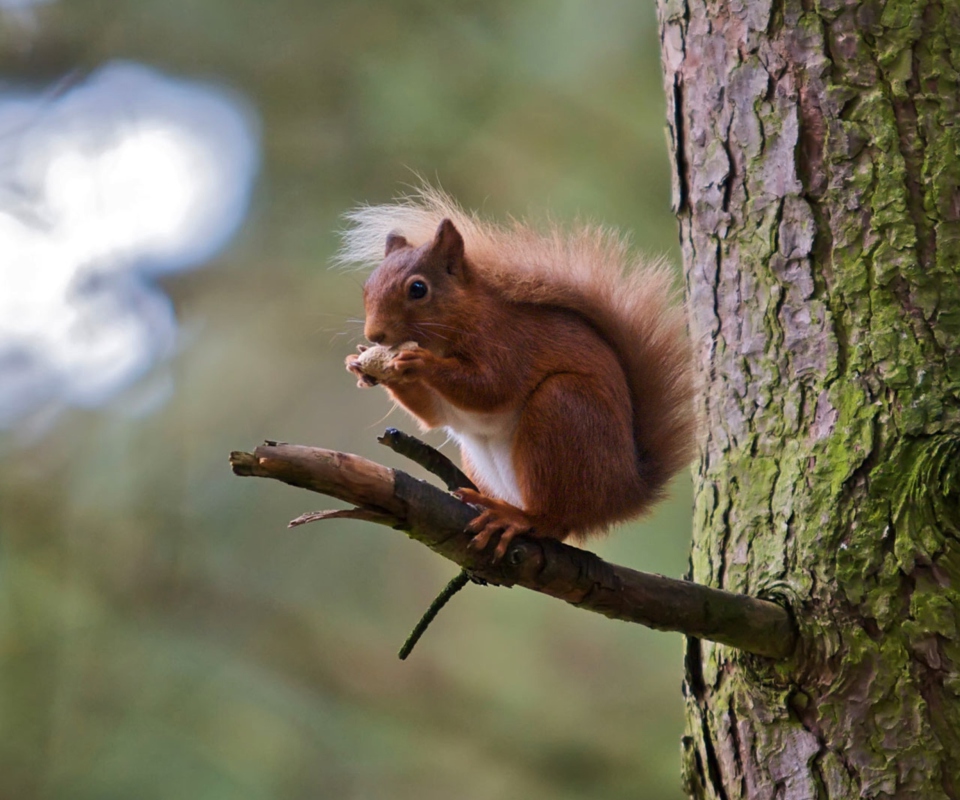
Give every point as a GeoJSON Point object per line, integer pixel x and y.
{"type": "Point", "coordinates": [816, 152]}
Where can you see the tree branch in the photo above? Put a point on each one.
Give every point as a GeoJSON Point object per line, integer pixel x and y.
{"type": "Point", "coordinates": [427, 457]}
{"type": "Point", "coordinates": [438, 520]}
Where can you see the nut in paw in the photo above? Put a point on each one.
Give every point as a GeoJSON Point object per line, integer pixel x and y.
{"type": "Point", "coordinates": [375, 364]}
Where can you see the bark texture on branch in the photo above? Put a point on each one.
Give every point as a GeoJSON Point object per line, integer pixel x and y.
{"type": "Point", "coordinates": [816, 153]}
{"type": "Point", "coordinates": [438, 520]}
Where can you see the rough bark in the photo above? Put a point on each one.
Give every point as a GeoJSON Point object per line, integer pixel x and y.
{"type": "Point", "coordinates": [817, 166]}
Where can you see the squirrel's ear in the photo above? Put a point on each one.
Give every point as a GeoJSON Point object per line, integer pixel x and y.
{"type": "Point", "coordinates": [394, 241]}
{"type": "Point", "coordinates": [448, 246]}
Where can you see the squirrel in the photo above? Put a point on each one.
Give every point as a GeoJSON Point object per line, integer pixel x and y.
{"type": "Point", "coordinates": [556, 360]}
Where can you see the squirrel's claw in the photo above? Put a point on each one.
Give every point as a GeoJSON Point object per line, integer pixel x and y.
{"type": "Point", "coordinates": [471, 496]}
{"type": "Point", "coordinates": [364, 381]}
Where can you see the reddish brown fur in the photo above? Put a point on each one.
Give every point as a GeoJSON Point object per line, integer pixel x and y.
{"type": "Point", "coordinates": [592, 361]}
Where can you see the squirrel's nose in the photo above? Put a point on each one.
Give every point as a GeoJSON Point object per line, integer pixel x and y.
{"type": "Point", "coordinates": [376, 337]}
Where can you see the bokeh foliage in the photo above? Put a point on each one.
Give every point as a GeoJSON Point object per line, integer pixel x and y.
{"type": "Point", "coordinates": [161, 634]}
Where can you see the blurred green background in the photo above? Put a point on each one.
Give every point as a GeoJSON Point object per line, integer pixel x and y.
{"type": "Point", "coordinates": [162, 634]}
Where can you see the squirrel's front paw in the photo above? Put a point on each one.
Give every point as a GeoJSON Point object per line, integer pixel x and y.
{"type": "Point", "coordinates": [355, 366]}
{"type": "Point", "coordinates": [407, 363]}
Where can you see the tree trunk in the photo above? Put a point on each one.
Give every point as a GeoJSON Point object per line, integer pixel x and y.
{"type": "Point", "coordinates": [816, 151]}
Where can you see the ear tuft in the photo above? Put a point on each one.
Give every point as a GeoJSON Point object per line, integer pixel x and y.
{"type": "Point", "coordinates": [394, 242]}
{"type": "Point", "coordinates": [448, 246]}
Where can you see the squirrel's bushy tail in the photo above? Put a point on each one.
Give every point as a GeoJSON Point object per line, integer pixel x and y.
{"type": "Point", "coordinates": [588, 269]}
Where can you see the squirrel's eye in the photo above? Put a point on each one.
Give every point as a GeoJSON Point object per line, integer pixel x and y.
{"type": "Point", "coordinates": [418, 290]}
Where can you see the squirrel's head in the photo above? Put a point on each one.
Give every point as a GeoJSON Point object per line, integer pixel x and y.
{"type": "Point", "coordinates": [419, 293]}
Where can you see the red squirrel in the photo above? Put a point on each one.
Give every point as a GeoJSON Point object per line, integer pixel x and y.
{"type": "Point", "coordinates": [556, 361]}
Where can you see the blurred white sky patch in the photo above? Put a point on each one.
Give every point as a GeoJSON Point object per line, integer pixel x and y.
{"type": "Point", "coordinates": [120, 178]}
{"type": "Point", "coordinates": [20, 13]}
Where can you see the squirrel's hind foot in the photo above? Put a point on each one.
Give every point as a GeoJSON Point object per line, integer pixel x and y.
{"type": "Point", "coordinates": [498, 517]}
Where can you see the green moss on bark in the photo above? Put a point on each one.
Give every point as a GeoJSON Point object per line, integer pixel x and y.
{"type": "Point", "coordinates": [820, 158]}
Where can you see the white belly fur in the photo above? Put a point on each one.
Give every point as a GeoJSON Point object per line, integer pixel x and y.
{"type": "Point", "coordinates": [487, 441]}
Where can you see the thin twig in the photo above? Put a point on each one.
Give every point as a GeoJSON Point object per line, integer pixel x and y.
{"type": "Point", "coordinates": [436, 462]}
{"type": "Point", "coordinates": [431, 459]}
{"type": "Point", "coordinates": [365, 514]}
{"type": "Point", "coordinates": [461, 580]}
